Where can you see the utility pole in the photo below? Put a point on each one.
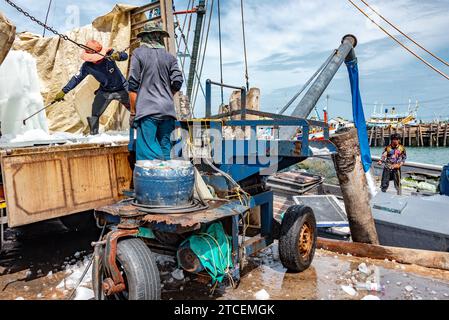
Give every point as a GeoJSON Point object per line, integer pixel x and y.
{"type": "Point", "coordinates": [354, 187]}
{"type": "Point", "coordinates": [201, 11]}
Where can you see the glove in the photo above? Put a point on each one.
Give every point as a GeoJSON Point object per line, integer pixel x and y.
{"type": "Point", "coordinates": [60, 96]}
{"type": "Point", "coordinates": [115, 56]}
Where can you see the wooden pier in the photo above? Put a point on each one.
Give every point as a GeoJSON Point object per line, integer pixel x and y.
{"type": "Point", "coordinates": [422, 135]}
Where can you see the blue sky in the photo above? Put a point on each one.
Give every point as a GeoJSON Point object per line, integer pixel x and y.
{"type": "Point", "coordinates": [288, 40]}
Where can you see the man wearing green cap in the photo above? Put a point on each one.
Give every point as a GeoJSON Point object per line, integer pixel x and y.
{"type": "Point", "coordinates": [154, 80]}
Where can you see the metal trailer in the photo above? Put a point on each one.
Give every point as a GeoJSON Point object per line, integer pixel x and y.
{"type": "Point", "coordinates": [124, 266]}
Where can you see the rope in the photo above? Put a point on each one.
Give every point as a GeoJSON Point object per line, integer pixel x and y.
{"type": "Point", "coordinates": [188, 51]}
{"type": "Point", "coordinates": [221, 52]}
{"type": "Point", "coordinates": [205, 50]}
{"type": "Point", "coordinates": [188, 33]}
{"type": "Point", "coordinates": [46, 16]}
{"type": "Point", "coordinates": [405, 35]}
{"type": "Point", "coordinates": [325, 64]}
{"type": "Point", "coordinates": [400, 43]}
{"type": "Point", "coordinates": [244, 45]}
{"type": "Point", "coordinates": [195, 86]}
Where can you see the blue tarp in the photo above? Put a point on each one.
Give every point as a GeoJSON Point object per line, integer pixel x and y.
{"type": "Point", "coordinates": [359, 115]}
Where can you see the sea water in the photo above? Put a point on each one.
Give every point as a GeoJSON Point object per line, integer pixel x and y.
{"type": "Point", "coordinates": [438, 156]}
{"type": "Point", "coordinates": [20, 95]}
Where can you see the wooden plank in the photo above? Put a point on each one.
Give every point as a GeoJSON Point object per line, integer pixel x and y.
{"type": "Point", "coordinates": [431, 135]}
{"type": "Point", "coordinates": [409, 136]}
{"type": "Point", "coordinates": [139, 25]}
{"type": "Point", "coordinates": [383, 137]}
{"type": "Point", "coordinates": [375, 139]}
{"type": "Point", "coordinates": [45, 185]}
{"type": "Point", "coordinates": [424, 258]}
{"type": "Point", "coordinates": [169, 24]}
{"type": "Point", "coordinates": [403, 135]}
{"type": "Point", "coordinates": [445, 135]}
{"type": "Point", "coordinates": [146, 8]}
{"type": "Point", "coordinates": [421, 140]}
{"type": "Point", "coordinates": [438, 134]}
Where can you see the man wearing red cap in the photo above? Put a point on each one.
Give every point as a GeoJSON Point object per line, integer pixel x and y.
{"type": "Point", "coordinates": [101, 64]}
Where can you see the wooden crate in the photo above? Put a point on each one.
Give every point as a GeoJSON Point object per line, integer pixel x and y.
{"type": "Point", "coordinates": [51, 182]}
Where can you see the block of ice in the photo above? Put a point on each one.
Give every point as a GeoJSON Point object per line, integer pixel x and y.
{"type": "Point", "coordinates": [20, 94]}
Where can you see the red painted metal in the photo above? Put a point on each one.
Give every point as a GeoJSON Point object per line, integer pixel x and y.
{"type": "Point", "coordinates": [185, 12]}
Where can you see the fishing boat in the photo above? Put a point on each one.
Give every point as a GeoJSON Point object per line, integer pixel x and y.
{"type": "Point", "coordinates": [391, 118]}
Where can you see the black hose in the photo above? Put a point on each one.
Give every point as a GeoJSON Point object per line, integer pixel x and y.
{"type": "Point", "coordinates": [195, 206]}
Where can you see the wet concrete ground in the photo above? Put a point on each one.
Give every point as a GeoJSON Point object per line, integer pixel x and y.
{"type": "Point", "coordinates": [47, 266]}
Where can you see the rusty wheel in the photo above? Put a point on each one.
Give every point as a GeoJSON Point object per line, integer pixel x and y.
{"type": "Point", "coordinates": [305, 241]}
{"type": "Point", "coordinates": [297, 241]}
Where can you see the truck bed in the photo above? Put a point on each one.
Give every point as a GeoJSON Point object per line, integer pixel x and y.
{"type": "Point", "coordinates": [42, 183]}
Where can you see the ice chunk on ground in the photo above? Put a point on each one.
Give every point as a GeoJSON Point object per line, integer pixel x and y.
{"type": "Point", "coordinates": [409, 288]}
{"type": "Point", "coordinates": [74, 275]}
{"type": "Point", "coordinates": [363, 268]}
{"type": "Point", "coordinates": [178, 274]}
{"type": "Point", "coordinates": [20, 94]}
{"type": "Point", "coordinates": [19, 298]}
{"type": "Point", "coordinates": [370, 297]}
{"type": "Point", "coordinates": [349, 290]}
{"type": "Point", "coordinates": [262, 295]}
{"type": "Point", "coordinates": [83, 293]}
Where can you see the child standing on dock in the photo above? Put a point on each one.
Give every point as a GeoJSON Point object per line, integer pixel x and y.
{"type": "Point", "coordinates": [394, 158]}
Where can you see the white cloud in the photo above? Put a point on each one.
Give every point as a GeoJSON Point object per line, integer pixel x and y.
{"type": "Point", "coordinates": [287, 40]}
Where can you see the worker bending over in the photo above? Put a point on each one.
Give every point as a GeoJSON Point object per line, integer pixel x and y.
{"type": "Point", "coordinates": [154, 79]}
{"type": "Point", "coordinates": [113, 85]}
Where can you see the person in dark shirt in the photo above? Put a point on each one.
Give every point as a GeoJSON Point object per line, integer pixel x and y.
{"type": "Point", "coordinates": [153, 81]}
{"type": "Point", "coordinates": [393, 157]}
{"type": "Point", "coordinates": [113, 85]}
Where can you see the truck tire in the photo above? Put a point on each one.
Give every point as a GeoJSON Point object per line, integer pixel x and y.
{"type": "Point", "coordinates": [139, 270]}
{"type": "Point", "coordinates": [297, 241]}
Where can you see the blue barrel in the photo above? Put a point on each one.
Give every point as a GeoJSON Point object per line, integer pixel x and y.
{"type": "Point", "coordinates": [444, 181]}
{"type": "Point", "coordinates": [164, 183]}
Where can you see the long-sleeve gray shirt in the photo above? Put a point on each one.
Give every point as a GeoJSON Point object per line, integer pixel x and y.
{"type": "Point", "coordinates": [153, 75]}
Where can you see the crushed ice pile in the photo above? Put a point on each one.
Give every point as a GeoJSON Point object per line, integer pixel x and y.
{"type": "Point", "coordinates": [20, 94]}
{"type": "Point", "coordinates": [36, 135]}
{"type": "Point", "coordinates": [74, 273]}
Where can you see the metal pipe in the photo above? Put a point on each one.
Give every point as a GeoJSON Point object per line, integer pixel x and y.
{"type": "Point", "coordinates": [186, 12]}
{"type": "Point", "coordinates": [209, 84]}
{"type": "Point", "coordinates": [344, 53]}
{"type": "Point", "coordinates": [309, 101]}
{"type": "Point", "coordinates": [201, 10]}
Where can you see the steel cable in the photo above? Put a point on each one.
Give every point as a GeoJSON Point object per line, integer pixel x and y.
{"type": "Point", "coordinates": [405, 35]}
{"type": "Point", "coordinates": [204, 51]}
{"type": "Point", "coordinates": [320, 69]}
{"type": "Point", "coordinates": [244, 45]}
{"type": "Point", "coordinates": [400, 43]}
{"type": "Point", "coordinates": [221, 51]}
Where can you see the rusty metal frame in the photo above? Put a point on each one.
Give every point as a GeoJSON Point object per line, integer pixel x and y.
{"type": "Point", "coordinates": [114, 284]}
